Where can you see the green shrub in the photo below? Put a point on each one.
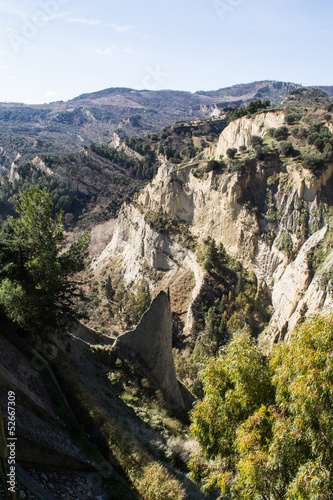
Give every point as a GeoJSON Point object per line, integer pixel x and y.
{"type": "Point", "coordinates": [281, 133]}
{"type": "Point", "coordinates": [287, 148]}
{"type": "Point", "coordinates": [313, 163]}
{"type": "Point", "coordinates": [291, 118]}
{"type": "Point", "coordinates": [212, 165]}
{"type": "Point", "coordinates": [256, 140]}
{"type": "Point", "coordinates": [155, 483]}
{"type": "Point", "coordinates": [231, 152]}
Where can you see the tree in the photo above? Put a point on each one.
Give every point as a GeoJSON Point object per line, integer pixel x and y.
{"type": "Point", "coordinates": [231, 152]}
{"type": "Point", "coordinates": [235, 385]}
{"type": "Point", "coordinates": [256, 140]}
{"type": "Point", "coordinates": [255, 445]}
{"type": "Point", "coordinates": [287, 148]}
{"type": "Point", "coordinates": [285, 451]}
{"type": "Point", "coordinates": [212, 165]}
{"type": "Point", "coordinates": [281, 133]}
{"type": "Point", "coordinates": [208, 254]}
{"type": "Point", "coordinates": [37, 284]}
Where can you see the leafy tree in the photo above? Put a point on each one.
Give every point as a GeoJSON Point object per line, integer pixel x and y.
{"type": "Point", "coordinates": [212, 165]}
{"type": "Point", "coordinates": [312, 162]}
{"type": "Point", "coordinates": [37, 282]}
{"type": "Point", "coordinates": [235, 385]}
{"type": "Point", "coordinates": [291, 118]}
{"type": "Point", "coordinates": [208, 254]}
{"type": "Point", "coordinates": [285, 451]}
{"type": "Point", "coordinates": [287, 148]}
{"type": "Point", "coordinates": [231, 152]}
{"type": "Point", "coordinates": [248, 110]}
{"type": "Point", "coordinates": [133, 303]}
{"type": "Point", "coordinates": [281, 133]}
{"type": "Point", "coordinates": [256, 140]}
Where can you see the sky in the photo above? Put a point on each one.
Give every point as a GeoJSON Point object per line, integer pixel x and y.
{"type": "Point", "coordinates": [54, 50]}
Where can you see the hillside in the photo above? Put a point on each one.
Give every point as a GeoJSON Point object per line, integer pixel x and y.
{"type": "Point", "coordinates": [65, 127]}
{"type": "Point", "coordinates": [213, 242]}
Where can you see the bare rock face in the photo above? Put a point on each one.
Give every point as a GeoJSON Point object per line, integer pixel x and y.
{"type": "Point", "coordinates": [151, 344]}
{"type": "Point", "coordinates": [239, 132]}
{"type": "Point", "coordinates": [215, 206]}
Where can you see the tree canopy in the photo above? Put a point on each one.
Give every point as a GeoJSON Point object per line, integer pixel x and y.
{"type": "Point", "coordinates": [37, 282]}
{"type": "Point", "coordinates": [262, 444]}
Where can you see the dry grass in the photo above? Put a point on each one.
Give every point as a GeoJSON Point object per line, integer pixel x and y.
{"type": "Point", "coordinates": [157, 484]}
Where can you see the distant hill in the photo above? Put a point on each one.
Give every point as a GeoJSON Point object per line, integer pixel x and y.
{"type": "Point", "coordinates": [65, 127]}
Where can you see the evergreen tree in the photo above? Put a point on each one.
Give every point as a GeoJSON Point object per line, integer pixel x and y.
{"type": "Point", "coordinates": [37, 282]}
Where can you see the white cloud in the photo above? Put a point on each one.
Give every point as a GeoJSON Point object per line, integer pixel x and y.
{"type": "Point", "coordinates": [123, 28]}
{"type": "Point", "coordinates": [82, 20]}
{"type": "Point", "coordinates": [129, 51]}
{"type": "Point", "coordinates": [7, 8]}
{"type": "Point", "coordinates": [104, 52]}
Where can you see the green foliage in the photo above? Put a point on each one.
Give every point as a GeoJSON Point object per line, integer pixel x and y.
{"type": "Point", "coordinates": [37, 279]}
{"type": "Point", "coordinates": [231, 152]}
{"type": "Point", "coordinates": [313, 163]}
{"type": "Point", "coordinates": [248, 110]}
{"type": "Point", "coordinates": [155, 483]}
{"type": "Point", "coordinates": [164, 223]}
{"type": "Point", "coordinates": [281, 133]}
{"type": "Point", "coordinates": [256, 140]}
{"type": "Point", "coordinates": [262, 450]}
{"type": "Point", "coordinates": [133, 304]}
{"type": "Point", "coordinates": [284, 243]}
{"type": "Point", "coordinates": [63, 197]}
{"type": "Point", "coordinates": [235, 385]}
{"type": "Point", "coordinates": [291, 118]}
{"type": "Point", "coordinates": [141, 169]}
{"type": "Point", "coordinates": [287, 148]}
{"type": "Point", "coordinates": [322, 139]}
{"type": "Point", "coordinates": [213, 165]}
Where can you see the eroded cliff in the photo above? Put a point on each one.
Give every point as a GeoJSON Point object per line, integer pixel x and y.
{"type": "Point", "coordinates": [269, 212]}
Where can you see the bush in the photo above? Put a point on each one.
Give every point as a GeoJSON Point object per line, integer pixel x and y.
{"type": "Point", "coordinates": [287, 148]}
{"type": "Point", "coordinates": [155, 483]}
{"type": "Point", "coordinates": [256, 140]}
{"type": "Point", "coordinates": [292, 118]}
{"type": "Point", "coordinates": [212, 165]}
{"type": "Point", "coordinates": [281, 133]}
{"type": "Point", "coordinates": [313, 163]}
{"type": "Point", "coordinates": [231, 152]}
{"type": "Point", "coordinates": [251, 108]}
{"type": "Point", "coordinates": [260, 155]}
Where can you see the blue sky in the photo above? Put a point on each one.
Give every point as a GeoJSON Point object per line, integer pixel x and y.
{"type": "Point", "coordinates": [58, 49]}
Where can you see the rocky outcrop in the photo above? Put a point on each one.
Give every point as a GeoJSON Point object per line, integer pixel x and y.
{"type": "Point", "coordinates": [296, 293]}
{"type": "Point", "coordinates": [150, 343]}
{"type": "Point", "coordinates": [216, 205]}
{"type": "Point", "coordinates": [130, 152]}
{"type": "Point", "coordinates": [135, 244]}
{"type": "Point", "coordinates": [239, 132]}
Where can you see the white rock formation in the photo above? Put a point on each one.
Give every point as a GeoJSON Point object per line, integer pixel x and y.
{"type": "Point", "coordinates": [239, 132]}
{"type": "Point", "coordinates": [217, 210]}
